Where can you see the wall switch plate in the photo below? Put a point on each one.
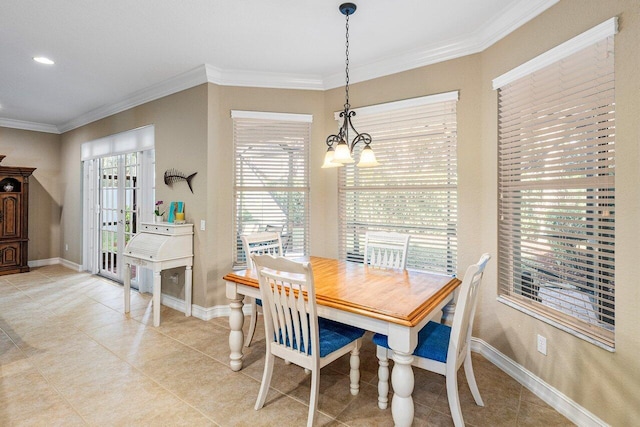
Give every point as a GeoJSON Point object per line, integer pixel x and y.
{"type": "Point", "coordinates": [542, 345]}
{"type": "Point", "coordinates": [202, 225]}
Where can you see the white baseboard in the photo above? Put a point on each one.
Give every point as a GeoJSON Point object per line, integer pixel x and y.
{"type": "Point", "coordinates": [201, 312]}
{"type": "Point", "coordinates": [71, 265]}
{"type": "Point", "coordinates": [54, 261]}
{"type": "Point", "coordinates": [554, 398]}
{"type": "Point", "coordinates": [43, 262]}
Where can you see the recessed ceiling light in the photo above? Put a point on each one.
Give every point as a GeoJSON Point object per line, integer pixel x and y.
{"type": "Point", "coordinates": [43, 60]}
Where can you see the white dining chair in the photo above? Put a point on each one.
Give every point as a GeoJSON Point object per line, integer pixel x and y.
{"type": "Point", "coordinates": [293, 330]}
{"type": "Point", "coordinates": [267, 242]}
{"type": "Point", "coordinates": [443, 349]}
{"type": "Point", "coordinates": [386, 249]}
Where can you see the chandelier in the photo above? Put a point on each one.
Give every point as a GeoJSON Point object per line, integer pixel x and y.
{"type": "Point", "coordinates": [343, 152]}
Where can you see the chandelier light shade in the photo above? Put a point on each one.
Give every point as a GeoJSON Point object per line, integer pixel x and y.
{"type": "Point", "coordinates": [342, 153]}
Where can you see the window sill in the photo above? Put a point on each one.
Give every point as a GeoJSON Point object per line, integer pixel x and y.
{"type": "Point", "coordinates": [555, 324]}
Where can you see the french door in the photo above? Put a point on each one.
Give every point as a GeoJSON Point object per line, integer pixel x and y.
{"type": "Point", "coordinates": [118, 193]}
{"type": "Point", "coordinates": [119, 178]}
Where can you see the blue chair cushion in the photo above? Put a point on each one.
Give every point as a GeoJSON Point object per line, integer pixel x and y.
{"type": "Point", "coordinates": [258, 301]}
{"type": "Point", "coordinates": [333, 336]}
{"type": "Point", "coordinates": [433, 342]}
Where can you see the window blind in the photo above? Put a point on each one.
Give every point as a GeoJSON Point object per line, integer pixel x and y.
{"type": "Point", "coordinates": [271, 178]}
{"type": "Point", "coordinates": [414, 190]}
{"type": "Point", "coordinates": [557, 193]}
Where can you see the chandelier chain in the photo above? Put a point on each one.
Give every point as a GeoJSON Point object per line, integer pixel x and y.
{"type": "Point", "coordinates": [347, 105]}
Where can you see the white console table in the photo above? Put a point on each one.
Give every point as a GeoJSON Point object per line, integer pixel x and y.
{"type": "Point", "coordinates": [160, 246]}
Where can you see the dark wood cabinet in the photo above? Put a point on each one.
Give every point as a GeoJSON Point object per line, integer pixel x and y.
{"type": "Point", "coordinates": [14, 224]}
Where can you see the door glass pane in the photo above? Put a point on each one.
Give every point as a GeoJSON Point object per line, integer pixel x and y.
{"type": "Point", "coordinates": [119, 195]}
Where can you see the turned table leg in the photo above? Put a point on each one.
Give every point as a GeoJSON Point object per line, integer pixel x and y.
{"type": "Point", "coordinates": [236, 337]}
{"type": "Point", "coordinates": [402, 382]}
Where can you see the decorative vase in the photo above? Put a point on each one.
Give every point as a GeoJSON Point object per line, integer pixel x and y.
{"type": "Point", "coordinates": [158, 218]}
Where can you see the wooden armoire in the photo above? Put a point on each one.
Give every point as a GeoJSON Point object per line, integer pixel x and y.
{"type": "Point", "coordinates": [14, 212]}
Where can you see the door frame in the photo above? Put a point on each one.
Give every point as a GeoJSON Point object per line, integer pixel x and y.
{"type": "Point", "coordinates": [137, 140]}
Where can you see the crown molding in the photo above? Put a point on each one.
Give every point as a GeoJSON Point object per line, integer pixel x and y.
{"type": "Point", "coordinates": [517, 15]}
{"type": "Point", "coordinates": [263, 79]}
{"type": "Point", "coordinates": [202, 74]}
{"type": "Point", "coordinates": [405, 61]}
{"type": "Point", "coordinates": [33, 126]}
{"type": "Point", "coordinates": [513, 18]}
{"type": "Point", "coordinates": [173, 85]}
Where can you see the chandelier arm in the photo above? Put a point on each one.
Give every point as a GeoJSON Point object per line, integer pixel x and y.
{"type": "Point", "coordinates": [359, 137]}
{"type": "Point", "coordinates": [341, 139]}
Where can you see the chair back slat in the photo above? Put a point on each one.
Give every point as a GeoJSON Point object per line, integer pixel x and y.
{"type": "Point", "coordinates": [264, 243]}
{"type": "Point", "coordinates": [463, 317]}
{"type": "Point", "coordinates": [283, 286]}
{"type": "Point", "coordinates": [386, 249]}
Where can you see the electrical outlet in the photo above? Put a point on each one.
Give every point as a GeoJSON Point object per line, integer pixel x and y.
{"type": "Point", "coordinates": [542, 345]}
{"type": "Point", "coordinates": [66, 246]}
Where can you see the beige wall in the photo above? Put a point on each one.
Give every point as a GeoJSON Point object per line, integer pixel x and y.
{"type": "Point", "coordinates": [181, 142]}
{"type": "Point", "coordinates": [607, 384]}
{"type": "Point", "coordinates": [42, 151]}
{"type": "Point", "coordinates": [194, 133]}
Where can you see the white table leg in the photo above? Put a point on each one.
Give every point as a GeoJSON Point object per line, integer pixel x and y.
{"type": "Point", "coordinates": [127, 287]}
{"type": "Point", "coordinates": [402, 382]}
{"type": "Point", "coordinates": [383, 377]}
{"type": "Point", "coordinates": [188, 284]}
{"type": "Point", "coordinates": [157, 293]}
{"type": "Point", "coordinates": [236, 337]}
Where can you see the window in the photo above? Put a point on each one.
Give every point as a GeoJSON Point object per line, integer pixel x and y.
{"type": "Point", "coordinates": [414, 190]}
{"type": "Point", "coordinates": [556, 186]}
{"type": "Point", "coordinates": [271, 178]}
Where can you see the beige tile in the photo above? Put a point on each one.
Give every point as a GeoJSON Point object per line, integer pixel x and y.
{"type": "Point", "coordinates": [438, 419]}
{"type": "Point", "coordinates": [363, 410]}
{"type": "Point", "coordinates": [55, 414]}
{"type": "Point", "coordinates": [532, 415]}
{"type": "Point", "coordinates": [13, 361]}
{"type": "Point", "coordinates": [125, 400]}
{"type": "Point", "coordinates": [26, 397]}
{"type": "Point", "coordinates": [368, 362]}
{"type": "Point", "coordinates": [335, 392]}
{"type": "Point", "coordinates": [70, 356]}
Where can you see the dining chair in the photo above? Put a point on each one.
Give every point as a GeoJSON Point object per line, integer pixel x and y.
{"type": "Point", "coordinates": [293, 330]}
{"type": "Point", "coordinates": [386, 249]}
{"type": "Point", "coordinates": [266, 242]}
{"type": "Point", "coordinates": [443, 349]}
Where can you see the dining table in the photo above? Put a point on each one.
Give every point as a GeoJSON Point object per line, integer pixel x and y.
{"type": "Point", "coordinates": [395, 302]}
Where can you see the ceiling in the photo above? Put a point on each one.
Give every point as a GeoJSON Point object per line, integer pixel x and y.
{"type": "Point", "coordinates": [113, 55]}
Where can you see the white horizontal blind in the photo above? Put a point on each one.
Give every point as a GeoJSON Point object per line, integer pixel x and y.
{"type": "Point", "coordinates": [271, 179]}
{"type": "Point", "coordinates": [131, 141]}
{"type": "Point", "coordinates": [413, 191]}
{"type": "Point", "coordinates": [557, 192]}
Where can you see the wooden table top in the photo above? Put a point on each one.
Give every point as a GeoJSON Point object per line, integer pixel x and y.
{"type": "Point", "coordinates": [398, 296]}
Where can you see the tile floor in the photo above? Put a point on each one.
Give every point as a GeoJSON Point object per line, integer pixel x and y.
{"type": "Point", "coordinates": [69, 356]}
